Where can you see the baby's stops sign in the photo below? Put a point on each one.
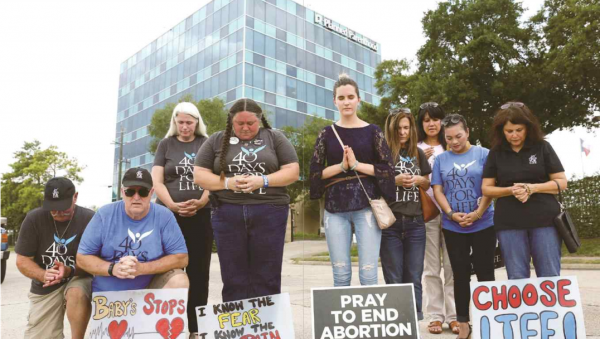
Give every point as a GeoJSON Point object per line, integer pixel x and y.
{"type": "Point", "coordinates": [527, 308]}
{"type": "Point", "coordinates": [159, 314]}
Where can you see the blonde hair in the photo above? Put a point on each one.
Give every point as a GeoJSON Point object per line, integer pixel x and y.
{"type": "Point", "coordinates": [393, 139]}
{"type": "Point", "coordinates": [191, 110]}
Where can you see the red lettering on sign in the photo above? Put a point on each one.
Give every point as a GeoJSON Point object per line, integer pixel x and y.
{"type": "Point", "coordinates": [563, 292]}
{"type": "Point", "coordinates": [530, 295]}
{"type": "Point", "coordinates": [499, 297]}
{"type": "Point", "coordinates": [514, 297]}
{"type": "Point", "coordinates": [549, 300]}
{"type": "Point", "coordinates": [485, 306]}
{"type": "Point", "coordinates": [148, 299]}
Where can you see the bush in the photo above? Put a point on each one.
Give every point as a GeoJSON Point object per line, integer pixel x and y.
{"type": "Point", "coordinates": [582, 199]}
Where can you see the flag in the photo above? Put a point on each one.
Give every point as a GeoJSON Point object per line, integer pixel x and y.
{"type": "Point", "coordinates": [585, 147]}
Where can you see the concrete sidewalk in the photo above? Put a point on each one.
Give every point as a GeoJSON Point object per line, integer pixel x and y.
{"type": "Point", "coordinates": [296, 280]}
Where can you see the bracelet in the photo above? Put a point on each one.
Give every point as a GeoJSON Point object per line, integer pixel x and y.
{"type": "Point", "coordinates": [110, 269]}
{"type": "Point", "coordinates": [265, 181]}
{"type": "Point", "coordinates": [355, 165]}
{"type": "Point", "coordinates": [477, 213]}
{"type": "Point", "coordinates": [226, 183]}
{"type": "Point", "coordinates": [72, 272]}
{"type": "Point", "coordinates": [449, 214]}
{"type": "Point", "coordinates": [528, 189]}
{"type": "Point", "coordinates": [342, 166]}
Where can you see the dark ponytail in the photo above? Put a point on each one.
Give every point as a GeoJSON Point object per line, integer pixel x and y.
{"type": "Point", "coordinates": [242, 105]}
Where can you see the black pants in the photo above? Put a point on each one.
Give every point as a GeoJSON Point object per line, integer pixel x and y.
{"type": "Point", "coordinates": [483, 244]}
{"type": "Point", "coordinates": [198, 235]}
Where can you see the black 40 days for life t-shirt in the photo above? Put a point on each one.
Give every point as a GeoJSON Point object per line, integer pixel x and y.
{"type": "Point", "coordinates": [38, 239]}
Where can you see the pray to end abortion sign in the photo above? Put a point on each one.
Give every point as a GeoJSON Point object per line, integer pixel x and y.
{"type": "Point", "coordinates": [527, 308]}
{"type": "Point", "coordinates": [364, 312]}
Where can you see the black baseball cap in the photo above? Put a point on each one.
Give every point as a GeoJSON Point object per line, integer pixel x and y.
{"type": "Point", "coordinates": [58, 194]}
{"type": "Point", "coordinates": [137, 176]}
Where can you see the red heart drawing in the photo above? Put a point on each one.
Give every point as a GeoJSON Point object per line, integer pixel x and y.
{"type": "Point", "coordinates": [117, 329]}
{"type": "Point", "coordinates": [170, 330]}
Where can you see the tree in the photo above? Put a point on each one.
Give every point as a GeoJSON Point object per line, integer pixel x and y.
{"type": "Point", "coordinates": [212, 111]}
{"type": "Point", "coordinates": [23, 187]}
{"type": "Point", "coordinates": [303, 139]}
{"type": "Point", "coordinates": [479, 55]}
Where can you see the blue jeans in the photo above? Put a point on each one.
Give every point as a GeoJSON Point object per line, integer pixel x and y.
{"type": "Point", "coordinates": [338, 230]}
{"type": "Point", "coordinates": [250, 241]}
{"type": "Point", "coordinates": [403, 254]}
{"type": "Point", "coordinates": [541, 244]}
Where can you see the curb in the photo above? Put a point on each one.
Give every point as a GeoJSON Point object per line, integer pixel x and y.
{"type": "Point", "coordinates": [564, 266]}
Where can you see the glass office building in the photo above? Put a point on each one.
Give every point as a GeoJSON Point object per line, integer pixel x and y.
{"type": "Point", "coordinates": [277, 52]}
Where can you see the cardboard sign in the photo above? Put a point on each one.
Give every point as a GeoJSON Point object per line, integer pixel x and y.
{"type": "Point", "coordinates": [159, 314]}
{"type": "Point", "coordinates": [527, 308]}
{"type": "Point", "coordinates": [268, 317]}
{"type": "Point", "coordinates": [364, 312]}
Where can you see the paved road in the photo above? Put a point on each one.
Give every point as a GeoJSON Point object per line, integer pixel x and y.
{"type": "Point", "coordinates": [297, 281]}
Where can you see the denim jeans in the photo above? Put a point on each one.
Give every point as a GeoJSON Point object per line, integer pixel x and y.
{"type": "Point", "coordinates": [541, 244]}
{"type": "Point", "coordinates": [250, 241]}
{"type": "Point", "coordinates": [338, 230]}
{"type": "Point", "coordinates": [403, 254]}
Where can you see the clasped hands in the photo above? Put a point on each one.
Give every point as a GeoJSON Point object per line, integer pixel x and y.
{"type": "Point", "coordinates": [246, 183]}
{"type": "Point", "coordinates": [521, 191]}
{"type": "Point", "coordinates": [408, 180]}
{"type": "Point", "coordinates": [349, 159]}
{"type": "Point", "coordinates": [128, 267]}
{"type": "Point", "coordinates": [188, 208]}
{"type": "Point", "coordinates": [56, 274]}
{"type": "Point", "coordinates": [465, 219]}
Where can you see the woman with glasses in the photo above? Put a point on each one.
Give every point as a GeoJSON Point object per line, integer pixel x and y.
{"type": "Point", "coordinates": [333, 172]}
{"type": "Point", "coordinates": [403, 244]}
{"type": "Point", "coordinates": [247, 168]}
{"type": "Point", "coordinates": [173, 178]}
{"type": "Point", "coordinates": [523, 172]}
{"type": "Point", "coordinates": [439, 295]}
{"type": "Point", "coordinates": [468, 217]}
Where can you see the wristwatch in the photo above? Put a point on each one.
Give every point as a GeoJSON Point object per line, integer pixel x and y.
{"type": "Point", "coordinates": [110, 269]}
{"type": "Point", "coordinates": [449, 214]}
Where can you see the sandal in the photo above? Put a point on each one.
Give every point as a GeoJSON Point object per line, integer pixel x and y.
{"type": "Point", "coordinates": [468, 335]}
{"type": "Point", "coordinates": [454, 327]}
{"type": "Point", "coordinates": [435, 327]}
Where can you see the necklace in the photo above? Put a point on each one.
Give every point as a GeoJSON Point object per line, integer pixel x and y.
{"type": "Point", "coordinates": [62, 246]}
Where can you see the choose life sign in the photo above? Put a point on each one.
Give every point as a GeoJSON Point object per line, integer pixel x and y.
{"type": "Point", "coordinates": [364, 312]}
{"type": "Point", "coordinates": [527, 308]}
{"type": "Point", "coordinates": [268, 317]}
{"type": "Point", "coordinates": [159, 314]}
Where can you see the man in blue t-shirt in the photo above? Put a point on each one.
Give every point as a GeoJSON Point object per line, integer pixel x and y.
{"type": "Point", "coordinates": [134, 244]}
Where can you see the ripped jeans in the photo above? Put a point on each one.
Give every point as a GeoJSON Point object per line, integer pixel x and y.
{"type": "Point", "coordinates": [338, 230]}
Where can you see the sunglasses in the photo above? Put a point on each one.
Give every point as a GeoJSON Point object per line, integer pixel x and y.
{"type": "Point", "coordinates": [399, 110]}
{"type": "Point", "coordinates": [512, 104]}
{"type": "Point", "coordinates": [143, 192]}
{"type": "Point", "coordinates": [453, 118]}
{"type": "Point", "coordinates": [428, 104]}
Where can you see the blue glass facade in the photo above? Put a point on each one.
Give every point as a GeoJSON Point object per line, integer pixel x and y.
{"type": "Point", "coordinates": [277, 52]}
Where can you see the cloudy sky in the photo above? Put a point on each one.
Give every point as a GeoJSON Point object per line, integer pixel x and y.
{"type": "Point", "coordinates": [59, 71]}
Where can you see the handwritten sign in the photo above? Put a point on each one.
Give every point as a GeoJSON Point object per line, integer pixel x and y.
{"type": "Point", "coordinates": [528, 308]}
{"type": "Point", "coordinates": [159, 314]}
{"type": "Point", "coordinates": [364, 312]}
{"type": "Point", "coordinates": [268, 317]}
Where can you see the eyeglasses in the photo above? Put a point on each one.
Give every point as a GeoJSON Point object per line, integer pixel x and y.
{"type": "Point", "coordinates": [143, 192]}
{"type": "Point", "coordinates": [429, 104]}
{"type": "Point", "coordinates": [452, 118]}
{"type": "Point", "coordinates": [395, 111]}
{"type": "Point", "coordinates": [512, 104]}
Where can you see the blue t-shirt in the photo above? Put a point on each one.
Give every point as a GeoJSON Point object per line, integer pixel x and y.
{"type": "Point", "coordinates": [461, 177]}
{"type": "Point", "coordinates": [112, 234]}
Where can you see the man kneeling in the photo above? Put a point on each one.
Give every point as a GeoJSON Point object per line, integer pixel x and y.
{"type": "Point", "coordinates": [134, 244]}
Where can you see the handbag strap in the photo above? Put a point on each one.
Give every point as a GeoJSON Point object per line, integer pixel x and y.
{"type": "Point", "coordinates": [342, 144]}
{"type": "Point", "coordinates": [560, 199]}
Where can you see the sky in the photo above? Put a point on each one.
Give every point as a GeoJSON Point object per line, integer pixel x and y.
{"type": "Point", "coordinates": [60, 60]}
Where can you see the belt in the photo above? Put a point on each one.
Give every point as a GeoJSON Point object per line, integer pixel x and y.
{"type": "Point", "coordinates": [335, 181]}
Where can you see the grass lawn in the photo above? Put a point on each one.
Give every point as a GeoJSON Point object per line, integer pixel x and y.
{"type": "Point", "coordinates": [299, 236]}
{"type": "Point", "coordinates": [589, 248]}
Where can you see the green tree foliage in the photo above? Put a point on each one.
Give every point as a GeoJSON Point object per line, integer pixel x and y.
{"type": "Point", "coordinates": [303, 139]}
{"type": "Point", "coordinates": [212, 111]}
{"type": "Point", "coordinates": [479, 54]}
{"type": "Point", "coordinates": [23, 187]}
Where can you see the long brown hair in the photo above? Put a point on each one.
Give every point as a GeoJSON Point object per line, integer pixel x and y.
{"type": "Point", "coordinates": [242, 105]}
{"type": "Point", "coordinates": [393, 139]}
{"type": "Point", "coordinates": [516, 115]}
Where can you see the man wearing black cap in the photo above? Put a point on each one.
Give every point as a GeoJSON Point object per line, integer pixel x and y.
{"type": "Point", "coordinates": [134, 244]}
{"type": "Point", "coordinates": [46, 252]}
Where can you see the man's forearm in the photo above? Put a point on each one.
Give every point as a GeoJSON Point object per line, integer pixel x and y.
{"type": "Point", "coordinates": [29, 268]}
{"type": "Point", "coordinates": [92, 264]}
{"type": "Point", "coordinates": [164, 264]}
